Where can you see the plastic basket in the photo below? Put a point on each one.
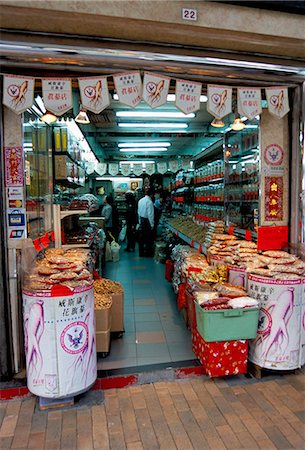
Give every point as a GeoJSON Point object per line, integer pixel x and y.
{"type": "Point", "coordinates": [227, 324]}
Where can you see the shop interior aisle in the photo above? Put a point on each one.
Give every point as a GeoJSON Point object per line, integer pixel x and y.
{"type": "Point", "coordinates": [155, 331]}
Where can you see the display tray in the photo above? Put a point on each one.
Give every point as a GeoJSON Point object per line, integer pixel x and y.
{"type": "Point", "coordinates": [227, 324]}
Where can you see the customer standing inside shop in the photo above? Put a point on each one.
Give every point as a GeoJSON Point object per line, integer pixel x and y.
{"type": "Point", "coordinates": [146, 220]}
{"type": "Point", "coordinates": [107, 214]}
{"type": "Point", "coordinates": [131, 221]}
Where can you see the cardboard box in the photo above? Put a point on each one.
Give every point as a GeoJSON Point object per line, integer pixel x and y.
{"type": "Point", "coordinates": [102, 319]}
{"type": "Point", "coordinates": [117, 312]}
{"type": "Point", "coordinates": [102, 341]}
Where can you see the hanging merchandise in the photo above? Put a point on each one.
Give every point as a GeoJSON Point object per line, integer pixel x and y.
{"type": "Point", "coordinates": [249, 102]}
{"type": "Point", "coordinates": [155, 89]}
{"type": "Point", "coordinates": [101, 168]}
{"type": "Point", "coordinates": [188, 96]}
{"type": "Point", "coordinates": [277, 99]}
{"type": "Point", "coordinates": [162, 167]}
{"type": "Point", "coordinates": [113, 168]}
{"type": "Point", "coordinates": [129, 88]}
{"type": "Point", "coordinates": [173, 166]}
{"type": "Point", "coordinates": [18, 93]}
{"type": "Point", "coordinates": [150, 168]}
{"type": "Point", "coordinates": [125, 169]}
{"type": "Point", "coordinates": [138, 169]}
{"type": "Point", "coordinates": [94, 93]}
{"type": "Point", "coordinates": [57, 95]}
{"type": "Point", "coordinates": [219, 101]}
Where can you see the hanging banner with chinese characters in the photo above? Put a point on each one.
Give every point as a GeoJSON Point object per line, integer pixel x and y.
{"type": "Point", "coordinates": [219, 101]}
{"type": "Point", "coordinates": [188, 96]}
{"type": "Point", "coordinates": [113, 168]}
{"type": "Point", "coordinates": [18, 93]}
{"type": "Point", "coordinates": [128, 86]}
{"type": "Point", "coordinates": [57, 95]}
{"type": "Point", "coordinates": [125, 169]}
{"type": "Point", "coordinates": [90, 167]}
{"type": "Point", "coordinates": [101, 168]}
{"type": "Point", "coordinates": [155, 89]}
{"type": "Point", "coordinates": [277, 98]}
{"type": "Point", "coordinates": [162, 167]}
{"type": "Point", "coordinates": [14, 171]}
{"type": "Point", "coordinates": [150, 168]}
{"type": "Point", "coordinates": [94, 93]}
{"type": "Point", "coordinates": [173, 166]}
{"type": "Point", "coordinates": [274, 170]}
{"type": "Point", "coordinates": [185, 164]}
{"type": "Point", "coordinates": [138, 169]}
{"type": "Point", "coordinates": [249, 102]}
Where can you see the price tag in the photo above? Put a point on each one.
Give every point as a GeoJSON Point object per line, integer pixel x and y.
{"type": "Point", "coordinates": [189, 14]}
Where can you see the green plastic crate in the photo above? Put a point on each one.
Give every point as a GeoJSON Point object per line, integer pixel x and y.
{"type": "Point", "coordinates": [227, 324]}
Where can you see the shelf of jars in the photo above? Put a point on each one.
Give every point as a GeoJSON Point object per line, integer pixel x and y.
{"type": "Point", "coordinates": [212, 172]}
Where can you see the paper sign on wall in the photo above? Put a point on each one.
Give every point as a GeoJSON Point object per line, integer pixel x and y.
{"type": "Point", "coordinates": [249, 102]}
{"type": "Point", "coordinates": [125, 169]}
{"type": "Point", "coordinates": [138, 169]}
{"type": "Point", "coordinates": [113, 168]}
{"type": "Point", "coordinates": [94, 93]}
{"type": "Point", "coordinates": [188, 96]}
{"type": "Point", "coordinates": [162, 167]}
{"type": "Point", "coordinates": [13, 166]}
{"type": "Point", "coordinates": [57, 95]}
{"type": "Point", "coordinates": [150, 168]}
{"type": "Point", "coordinates": [155, 89]}
{"type": "Point", "coordinates": [128, 86]}
{"type": "Point", "coordinates": [18, 93]}
{"type": "Point", "coordinates": [277, 99]}
{"type": "Point", "coordinates": [219, 101]}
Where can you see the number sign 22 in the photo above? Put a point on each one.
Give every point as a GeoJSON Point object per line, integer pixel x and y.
{"type": "Point", "coordinates": [189, 14]}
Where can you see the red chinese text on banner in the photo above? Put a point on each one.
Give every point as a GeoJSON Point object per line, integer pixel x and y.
{"type": "Point", "coordinates": [188, 96]}
{"type": "Point", "coordinates": [155, 89]}
{"type": "Point", "coordinates": [57, 95]}
{"type": "Point", "coordinates": [274, 198]}
{"type": "Point", "coordinates": [94, 93]}
{"type": "Point", "coordinates": [278, 103]}
{"type": "Point", "coordinates": [18, 93]}
{"type": "Point", "coordinates": [14, 171]}
{"type": "Point", "coordinates": [249, 102]}
{"type": "Point", "coordinates": [219, 101]}
{"type": "Point", "coordinates": [128, 86]}
{"type": "Point", "coordinates": [113, 169]}
{"type": "Point", "coordinates": [125, 169]}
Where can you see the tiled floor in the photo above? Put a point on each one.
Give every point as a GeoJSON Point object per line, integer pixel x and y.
{"type": "Point", "coordinates": [155, 331]}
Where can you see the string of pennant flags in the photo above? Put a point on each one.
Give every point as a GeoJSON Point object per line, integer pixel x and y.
{"type": "Point", "coordinates": [18, 94]}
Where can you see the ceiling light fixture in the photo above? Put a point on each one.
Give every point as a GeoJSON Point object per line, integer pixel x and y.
{"type": "Point", "coordinates": [143, 144]}
{"type": "Point", "coordinates": [40, 103]}
{"type": "Point", "coordinates": [135, 150]}
{"type": "Point", "coordinates": [152, 125]}
{"type": "Point", "coordinates": [82, 117]}
{"type": "Point", "coordinates": [155, 114]}
{"type": "Point", "coordinates": [217, 123]}
{"type": "Point", "coordinates": [48, 118]}
{"type": "Point", "coordinates": [238, 124]}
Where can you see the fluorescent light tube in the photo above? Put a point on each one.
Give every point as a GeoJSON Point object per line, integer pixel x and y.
{"type": "Point", "coordinates": [137, 162]}
{"type": "Point", "coordinates": [152, 125]}
{"type": "Point", "coordinates": [135, 150]}
{"type": "Point", "coordinates": [143, 144]}
{"type": "Point", "coordinates": [40, 104]}
{"type": "Point", "coordinates": [161, 114]}
{"type": "Point", "coordinates": [37, 111]}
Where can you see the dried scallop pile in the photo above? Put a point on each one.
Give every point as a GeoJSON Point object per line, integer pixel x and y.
{"type": "Point", "coordinates": [59, 267]}
{"type": "Point", "coordinates": [233, 251]}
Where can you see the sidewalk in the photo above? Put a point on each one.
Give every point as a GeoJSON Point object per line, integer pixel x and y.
{"type": "Point", "coordinates": [192, 413]}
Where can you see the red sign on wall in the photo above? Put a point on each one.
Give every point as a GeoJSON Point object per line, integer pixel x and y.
{"type": "Point", "coordinates": [13, 166]}
{"type": "Point", "coordinates": [274, 198]}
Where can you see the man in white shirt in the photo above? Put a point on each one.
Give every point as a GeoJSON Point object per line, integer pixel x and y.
{"type": "Point", "coordinates": [146, 221]}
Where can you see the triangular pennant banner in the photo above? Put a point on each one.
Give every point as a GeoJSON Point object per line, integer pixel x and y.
{"type": "Point", "coordinates": [113, 168]}
{"type": "Point", "coordinates": [57, 95]}
{"type": "Point", "coordinates": [219, 101]}
{"type": "Point", "coordinates": [162, 167]}
{"type": "Point", "coordinates": [128, 86]}
{"type": "Point", "coordinates": [125, 169]}
{"type": "Point", "coordinates": [249, 102]}
{"type": "Point", "coordinates": [188, 96]}
{"type": "Point", "coordinates": [101, 168]}
{"type": "Point", "coordinates": [173, 166]}
{"type": "Point", "coordinates": [18, 93]}
{"type": "Point", "coordinates": [150, 168]}
{"type": "Point", "coordinates": [155, 89]}
{"type": "Point", "coordinates": [94, 93]}
{"type": "Point", "coordinates": [277, 98]}
{"type": "Point", "coordinates": [138, 169]}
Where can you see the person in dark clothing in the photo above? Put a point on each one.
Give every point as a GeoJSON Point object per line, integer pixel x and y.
{"type": "Point", "coordinates": [131, 222]}
{"type": "Point", "coordinates": [115, 218]}
{"type": "Point", "coordinates": [146, 220]}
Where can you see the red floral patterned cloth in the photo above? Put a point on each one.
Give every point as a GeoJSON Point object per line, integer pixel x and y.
{"type": "Point", "coordinates": [220, 358]}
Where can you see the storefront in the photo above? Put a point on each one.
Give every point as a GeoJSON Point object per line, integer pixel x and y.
{"type": "Point", "coordinates": [216, 177]}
